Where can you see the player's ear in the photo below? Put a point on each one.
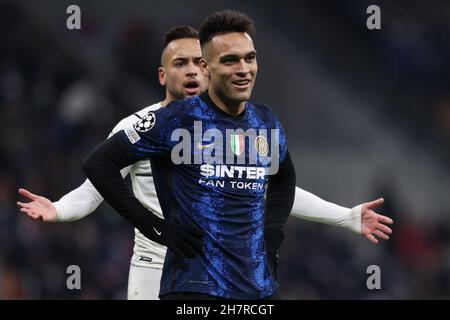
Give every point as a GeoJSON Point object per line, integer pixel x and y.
{"type": "Point", "coordinates": [204, 67]}
{"type": "Point", "coordinates": [162, 76]}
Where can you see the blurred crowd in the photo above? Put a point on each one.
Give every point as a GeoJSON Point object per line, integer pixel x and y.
{"type": "Point", "coordinates": [54, 110]}
{"type": "Point", "coordinates": [406, 63]}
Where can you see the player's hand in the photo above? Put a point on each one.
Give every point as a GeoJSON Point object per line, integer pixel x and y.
{"type": "Point", "coordinates": [374, 224]}
{"type": "Point", "coordinates": [38, 208]}
{"type": "Point", "coordinates": [272, 259]}
{"type": "Point", "coordinates": [186, 241]}
{"type": "Point", "coordinates": [272, 249]}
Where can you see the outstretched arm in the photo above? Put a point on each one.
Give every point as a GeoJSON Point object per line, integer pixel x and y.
{"type": "Point", "coordinates": [360, 219]}
{"type": "Point", "coordinates": [73, 206]}
{"type": "Point", "coordinates": [310, 207]}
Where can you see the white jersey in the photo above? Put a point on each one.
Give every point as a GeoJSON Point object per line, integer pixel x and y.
{"type": "Point", "coordinates": [85, 199]}
{"type": "Point", "coordinates": [145, 252]}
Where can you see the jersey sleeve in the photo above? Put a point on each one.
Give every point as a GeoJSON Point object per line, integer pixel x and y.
{"type": "Point", "coordinates": [310, 207]}
{"type": "Point", "coordinates": [152, 134]}
{"type": "Point", "coordinates": [78, 203]}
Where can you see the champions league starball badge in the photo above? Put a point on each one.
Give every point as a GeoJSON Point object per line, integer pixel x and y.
{"type": "Point", "coordinates": [146, 123]}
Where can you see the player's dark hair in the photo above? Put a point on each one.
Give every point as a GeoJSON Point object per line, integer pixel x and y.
{"type": "Point", "coordinates": [225, 21]}
{"type": "Point", "coordinates": [179, 32]}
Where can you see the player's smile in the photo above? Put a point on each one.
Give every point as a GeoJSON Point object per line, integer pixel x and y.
{"type": "Point", "coordinates": [242, 84]}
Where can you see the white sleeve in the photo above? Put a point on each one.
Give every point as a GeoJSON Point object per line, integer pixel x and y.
{"type": "Point", "coordinates": [83, 200]}
{"type": "Point", "coordinates": [80, 202]}
{"type": "Point", "coordinates": [310, 207]}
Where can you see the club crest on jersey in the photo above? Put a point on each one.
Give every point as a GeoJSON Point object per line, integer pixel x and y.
{"type": "Point", "coordinates": [237, 143]}
{"type": "Point", "coordinates": [228, 147]}
{"type": "Point", "coordinates": [261, 146]}
{"type": "Point", "coordinates": [146, 123]}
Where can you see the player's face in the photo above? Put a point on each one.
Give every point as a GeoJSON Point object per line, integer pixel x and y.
{"type": "Point", "coordinates": [180, 72]}
{"type": "Point", "coordinates": [231, 66]}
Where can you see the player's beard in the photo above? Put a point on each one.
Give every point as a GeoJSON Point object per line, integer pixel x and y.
{"type": "Point", "coordinates": [178, 94]}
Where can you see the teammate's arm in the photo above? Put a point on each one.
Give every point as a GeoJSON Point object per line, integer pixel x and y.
{"type": "Point", "coordinates": [78, 203]}
{"type": "Point", "coordinates": [74, 205]}
{"type": "Point", "coordinates": [360, 219]}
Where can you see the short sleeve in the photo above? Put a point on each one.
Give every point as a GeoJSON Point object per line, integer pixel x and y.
{"type": "Point", "coordinates": [151, 135]}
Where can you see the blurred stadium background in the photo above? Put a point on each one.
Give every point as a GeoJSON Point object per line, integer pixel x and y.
{"type": "Point", "coordinates": [367, 114]}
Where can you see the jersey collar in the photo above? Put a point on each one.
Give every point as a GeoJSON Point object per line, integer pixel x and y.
{"type": "Point", "coordinates": [208, 101]}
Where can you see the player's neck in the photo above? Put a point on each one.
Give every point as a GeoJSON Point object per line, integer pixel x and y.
{"type": "Point", "coordinates": [232, 108]}
{"type": "Point", "coordinates": [167, 100]}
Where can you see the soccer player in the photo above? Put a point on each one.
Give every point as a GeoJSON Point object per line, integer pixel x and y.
{"type": "Point", "coordinates": [230, 63]}
{"type": "Point", "coordinates": [148, 256]}
{"type": "Point", "coordinates": [212, 157]}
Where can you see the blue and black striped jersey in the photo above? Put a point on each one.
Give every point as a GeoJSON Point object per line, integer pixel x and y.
{"type": "Point", "coordinates": [211, 169]}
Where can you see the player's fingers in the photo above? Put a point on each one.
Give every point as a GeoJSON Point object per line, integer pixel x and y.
{"type": "Point", "coordinates": [376, 203]}
{"type": "Point", "coordinates": [384, 228]}
{"type": "Point", "coordinates": [381, 235]}
{"type": "Point", "coordinates": [30, 213]}
{"type": "Point", "coordinates": [34, 216]}
{"type": "Point", "coordinates": [385, 219]}
{"type": "Point", "coordinates": [27, 194]}
{"type": "Point", "coordinates": [372, 238]}
{"type": "Point", "coordinates": [30, 206]}
{"type": "Point", "coordinates": [25, 210]}
{"type": "Point", "coordinates": [24, 205]}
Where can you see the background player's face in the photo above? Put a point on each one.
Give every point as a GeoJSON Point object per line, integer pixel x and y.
{"type": "Point", "coordinates": [231, 66]}
{"type": "Point", "coordinates": [180, 71]}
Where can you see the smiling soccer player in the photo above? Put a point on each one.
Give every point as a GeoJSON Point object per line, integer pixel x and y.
{"type": "Point", "coordinates": [237, 226]}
